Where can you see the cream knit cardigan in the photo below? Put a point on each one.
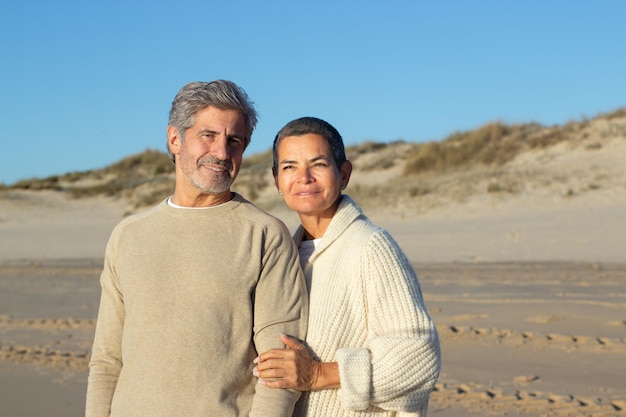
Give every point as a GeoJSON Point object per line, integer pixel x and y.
{"type": "Point", "coordinates": [367, 313]}
{"type": "Point", "coordinates": [189, 298]}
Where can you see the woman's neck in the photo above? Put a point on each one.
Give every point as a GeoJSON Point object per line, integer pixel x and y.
{"type": "Point", "coordinates": [314, 226]}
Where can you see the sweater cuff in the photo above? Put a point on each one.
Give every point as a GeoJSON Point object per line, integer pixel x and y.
{"type": "Point", "coordinates": [355, 376]}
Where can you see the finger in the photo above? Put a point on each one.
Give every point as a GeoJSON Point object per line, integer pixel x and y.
{"type": "Point", "coordinates": [278, 363]}
{"type": "Point", "coordinates": [278, 383]}
{"type": "Point", "coordinates": [270, 354]}
{"type": "Point", "coordinates": [291, 342]}
{"type": "Point", "coordinates": [269, 373]}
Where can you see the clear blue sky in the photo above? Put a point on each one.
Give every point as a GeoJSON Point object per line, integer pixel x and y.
{"type": "Point", "coordinates": [85, 83]}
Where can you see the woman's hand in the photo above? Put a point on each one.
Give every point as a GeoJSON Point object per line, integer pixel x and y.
{"type": "Point", "coordinates": [294, 368]}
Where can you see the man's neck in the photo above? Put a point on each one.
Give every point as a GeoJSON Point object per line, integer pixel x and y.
{"type": "Point", "coordinates": [200, 199]}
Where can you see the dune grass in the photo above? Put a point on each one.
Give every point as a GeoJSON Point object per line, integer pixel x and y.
{"type": "Point", "coordinates": [147, 177]}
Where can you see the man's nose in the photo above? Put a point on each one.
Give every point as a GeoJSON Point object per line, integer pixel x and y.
{"type": "Point", "coordinates": [220, 149]}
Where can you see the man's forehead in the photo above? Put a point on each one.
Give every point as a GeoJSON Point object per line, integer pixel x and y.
{"type": "Point", "coordinates": [211, 115]}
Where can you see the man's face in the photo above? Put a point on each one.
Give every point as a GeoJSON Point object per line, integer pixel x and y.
{"type": "Point", "coordinates": [209, 157]}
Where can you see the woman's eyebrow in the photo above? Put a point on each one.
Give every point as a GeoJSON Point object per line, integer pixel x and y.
{"type": "Point", "coordinates": [317, 158]}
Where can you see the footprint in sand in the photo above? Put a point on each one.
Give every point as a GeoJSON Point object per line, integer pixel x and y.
{"type": "Point", "coordinates": [467, 317]}
{"type": "Point", "coordinates": [543, 319]}
{"type": "Point", "coordinates": [525, 379]}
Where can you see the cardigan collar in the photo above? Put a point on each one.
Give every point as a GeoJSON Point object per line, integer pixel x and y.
{"type": "Point", "coordinates": [347, 213]}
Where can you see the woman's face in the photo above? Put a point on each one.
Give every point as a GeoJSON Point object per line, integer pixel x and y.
{"type": "Point", "coordinates": [308, 177]}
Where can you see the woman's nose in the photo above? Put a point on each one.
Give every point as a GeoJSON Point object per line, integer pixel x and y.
{"type": "Point", "coordinates": [305, 176]}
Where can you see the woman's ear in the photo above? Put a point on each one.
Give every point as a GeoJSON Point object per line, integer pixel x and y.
{"type": "Point", "coordinates": [275, 175]}
{"type": "Point", "coordinates": [344, 173]}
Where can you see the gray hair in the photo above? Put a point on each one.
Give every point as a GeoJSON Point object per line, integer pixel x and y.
{"type": "Point", "coordinates": [223, 94]}
{"type": "Point", "coordinates": [312, 125]}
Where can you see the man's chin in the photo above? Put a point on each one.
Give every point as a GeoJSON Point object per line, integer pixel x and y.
{"type": "Point", "coordinates": [214, 188]}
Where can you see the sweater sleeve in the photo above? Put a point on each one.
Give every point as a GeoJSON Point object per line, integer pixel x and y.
{"type": "Point", "coordinates": [398, 367]}
{"type": "Point", "coordinates": [280, 306]}
{"type": "Point", "coordinates": [106, 356]}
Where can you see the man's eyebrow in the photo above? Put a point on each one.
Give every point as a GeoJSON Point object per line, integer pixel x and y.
{"type": "Point", "coordinates": [238, 135]}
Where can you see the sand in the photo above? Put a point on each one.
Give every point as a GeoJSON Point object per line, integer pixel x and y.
{"type": "Point", "coordinates": [528, 294]}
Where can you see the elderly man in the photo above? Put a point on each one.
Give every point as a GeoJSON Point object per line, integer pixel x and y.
{"type": "Point", "coordinates": [195, 287]}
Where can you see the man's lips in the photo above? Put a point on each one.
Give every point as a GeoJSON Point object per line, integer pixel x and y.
{"type": "Point", "coordinates": [216, 168]}
{"type": "Point", "coordinates": [215, 164]}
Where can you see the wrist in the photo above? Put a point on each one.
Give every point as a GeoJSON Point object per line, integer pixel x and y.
{"type": "Point", "coordinates": [327, 376]}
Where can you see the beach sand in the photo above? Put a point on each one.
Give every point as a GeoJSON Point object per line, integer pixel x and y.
{"type": "Point", "coordinates": [529, 298]}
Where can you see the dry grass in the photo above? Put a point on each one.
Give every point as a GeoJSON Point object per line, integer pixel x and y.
{"type": "Point", "coordinates": [403, 170]}
{"type": "Point", "coordinates": [143, 178]}
{"type": "Point", "coordinates": [493, 144]}
{"type": "Point", "coordinates": [255, 175]}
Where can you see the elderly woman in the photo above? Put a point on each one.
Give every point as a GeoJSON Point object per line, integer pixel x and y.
{"type": "Point", "coordinates": [371, 347]}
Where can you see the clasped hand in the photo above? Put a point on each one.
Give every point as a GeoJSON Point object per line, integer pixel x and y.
{"type": "Point", "coordinates": [292, 367]}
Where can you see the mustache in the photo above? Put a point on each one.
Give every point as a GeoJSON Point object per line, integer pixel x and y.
{"type": "Point", "coordinates": [215, 161]}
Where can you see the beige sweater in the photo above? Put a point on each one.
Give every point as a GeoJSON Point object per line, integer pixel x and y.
{"type": "Point", "coordinates": [367, 313]}
{"type": "Point", "coordinates": [188, 299]}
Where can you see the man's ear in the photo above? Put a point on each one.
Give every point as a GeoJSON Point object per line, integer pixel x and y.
{"type": "Point", "coordinates": [174, 141]}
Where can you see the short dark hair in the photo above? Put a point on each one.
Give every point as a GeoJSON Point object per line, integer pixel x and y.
{"type": "Point", "coordinates": [312, 125]}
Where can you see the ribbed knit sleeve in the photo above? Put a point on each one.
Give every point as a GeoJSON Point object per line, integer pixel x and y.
{"type": "Point", "coordinates": [355, 371]}
{"type": "Point", "coordinates": [400, 362]}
